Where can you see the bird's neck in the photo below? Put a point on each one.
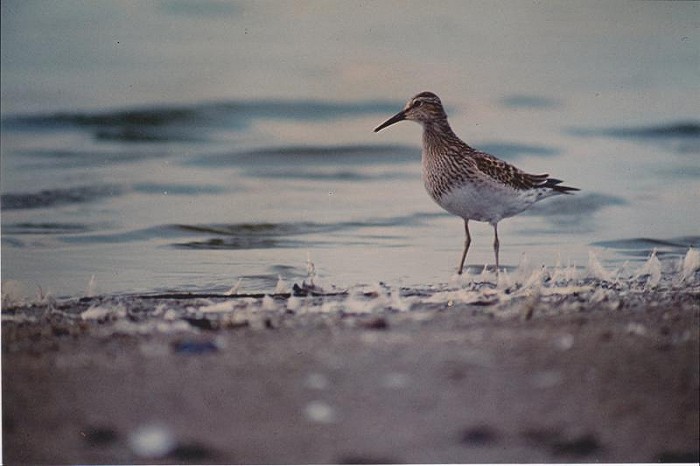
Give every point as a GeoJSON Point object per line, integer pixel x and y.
{"type": "Point", "coordinates": [437, 133]}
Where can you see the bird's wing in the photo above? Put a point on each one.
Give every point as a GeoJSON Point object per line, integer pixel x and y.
{"type": "Point", "coordinates": [506, 173]}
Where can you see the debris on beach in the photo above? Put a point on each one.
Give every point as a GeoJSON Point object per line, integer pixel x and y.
{"type": "Point", "coordinates": [525, 292]}
{"type": "Point", "coordinates": [320, 412]}
{"type": "Point", "coordinates": [152, 441]}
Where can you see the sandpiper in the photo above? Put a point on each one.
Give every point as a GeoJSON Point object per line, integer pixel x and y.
{"type": "Point", "coordinates": [466, 182]}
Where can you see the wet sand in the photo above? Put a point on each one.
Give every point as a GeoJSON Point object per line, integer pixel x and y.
{"type": "Point", "coordinates": [251, 379]}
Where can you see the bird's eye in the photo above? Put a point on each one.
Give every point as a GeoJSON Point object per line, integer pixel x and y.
{"type": "Point", "coordinates": [418, 103]}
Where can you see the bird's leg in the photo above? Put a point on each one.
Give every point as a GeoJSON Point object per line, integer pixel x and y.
{"type": "Point", "coordinates": [467, 242]}
{"type": "Point", "coordinates": [495, 243]}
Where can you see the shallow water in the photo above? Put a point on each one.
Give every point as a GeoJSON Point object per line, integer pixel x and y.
{"type": "Point", "coordinates": [169, 147]}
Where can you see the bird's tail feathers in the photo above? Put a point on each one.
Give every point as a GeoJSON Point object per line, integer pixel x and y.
{"type": "Point", "coordinates": [554, 184]}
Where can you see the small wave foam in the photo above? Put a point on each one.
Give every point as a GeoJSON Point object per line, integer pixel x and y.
{"type": "Point", "coordinates": [526, 292]}
{"type": "Point", "coordinates": [595, 283]}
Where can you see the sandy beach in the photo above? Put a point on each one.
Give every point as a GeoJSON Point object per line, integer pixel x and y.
{"type": "Point", "coordinates": [376, 375]}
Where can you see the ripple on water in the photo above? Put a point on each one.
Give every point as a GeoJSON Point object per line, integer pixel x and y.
{"type": "Point", "coordinates": [60, 196]}
{"type": "Point", "coordinates": [572, 213]}
{"type": "Point", "coordinates": [508, 151]}
{"type": "Point", "coordinates": [679, 129]}
{"type": "Point", "coordinates": [49, 198]}
{"type": "Point", "coordinates": [682, 137]}
{"type": "Point", "coordinates": [309, 156]}
{"type": "Point", "coordinates": [583, 204]}
{"type": "Point", "coordinates": [71, 159]}
{"type": "Point", "coordinates": [281, 235]}
{"type": "Point", "coordinates": [642, 247]}
{"type": "Point", "coordinates": [518, 101]}
{"type": "Point", "coordinates": [192, 123]}
{"type": "Point", "coordinates": [44, 228]}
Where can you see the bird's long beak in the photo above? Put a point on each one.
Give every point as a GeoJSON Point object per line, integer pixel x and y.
{"type": "Point", "coordinates": [395, 119]}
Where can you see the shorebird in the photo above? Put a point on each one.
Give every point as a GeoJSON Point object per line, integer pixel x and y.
{"type": "Point", "coordinates": [466, 182]}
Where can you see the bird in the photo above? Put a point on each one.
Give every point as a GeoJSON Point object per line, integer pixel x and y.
{"type": "Point", "coordinates": [466, 182]}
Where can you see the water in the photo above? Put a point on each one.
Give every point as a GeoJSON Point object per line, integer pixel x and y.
{"type": "Point", "coordinates": [154, 146]}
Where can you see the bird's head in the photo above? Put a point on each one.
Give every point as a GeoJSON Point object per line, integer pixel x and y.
{"type": "Point", "coordinates": [423, 108]}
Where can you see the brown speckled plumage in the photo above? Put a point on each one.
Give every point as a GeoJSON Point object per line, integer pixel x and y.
{"type": "Point", "coordinates": [466, 182]}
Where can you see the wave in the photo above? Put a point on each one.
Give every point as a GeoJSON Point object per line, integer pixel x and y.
{"type": "Point", "coordinates": [285, 234]}
{"type": "Point", "coordinates": [681, 137]}
{"type": "Point", "coordinates": [529, 101]}
{"type": "Point", "coordinates": [258, 229]}
{"type": "Point", "coordinates": [84, 194]}
{"type": "Point", "coordinates": [343, 162]}
{"type": "Point", "coordinates": [578, 205]}
{"type": "Point", "coordinates": [177, 189]}
{"type": "Point", "coordinates": [202, 8]}
{"type": "Point", "coordinates": [192, 123]}
{"type": "Point", "coordinates": [44, 228]}
{"type": "Point", "coordinates": [644, 246]}
{"type": "Point", "coordinates": [515, 150]}
{"type": "Point", "coordinates": [80, 158]}
{"type": "Point", "coordinates": [220, 235]}
{"type": "Point", "coordinates": [679, 129]}
{"type": "Point", "coordinates": [58, 197]}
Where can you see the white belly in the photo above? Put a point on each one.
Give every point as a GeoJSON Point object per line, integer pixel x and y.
{"type": "Point", "coordinates": [485, 202]}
